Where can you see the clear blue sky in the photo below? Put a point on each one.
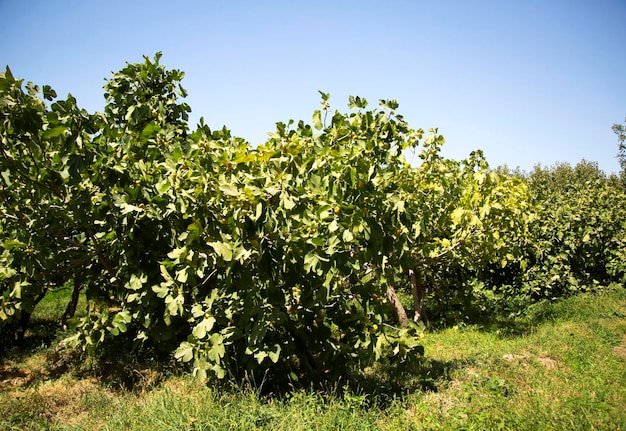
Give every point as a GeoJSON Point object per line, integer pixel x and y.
{"type": "Point", "coordinates": [529, 81]}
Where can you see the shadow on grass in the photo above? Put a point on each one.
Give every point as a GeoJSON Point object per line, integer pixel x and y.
{"type": "Point", "coordinates": [118, 364]}
{"type": "Point", "coordinates": [609, 302]}
{"type": "Point", "coordinates": [17, 369]}
{"type": "Point", "coordinates": [41, 334]}
{"type": "Point", "coordinates": [121, 364]}
{"type": "Point", "coordinates": [504, 323]}
{"type": "Point", "coordinates": [386, 381]}
{"type": "Point", "coordinates": [378, 385]}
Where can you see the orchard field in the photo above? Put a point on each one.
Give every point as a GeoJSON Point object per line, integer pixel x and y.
{"type": "Point", "coordinates": [316, 270]}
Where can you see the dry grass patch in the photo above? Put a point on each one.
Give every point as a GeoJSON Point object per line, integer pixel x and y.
{"type": "Point", "coordinates": [63, 402]}
{"type": "Point", "coordinates": [20, 373]}
{"type": "Point", "coordinates": [621, 349]}
{"type": "Point", "coordinates": [547, 362]}
{"type": "Point", "coordinates": [70, 402]}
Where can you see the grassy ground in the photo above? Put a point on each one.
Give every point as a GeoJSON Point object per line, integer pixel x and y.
{"type": "Point", "coordinates": [561, 367]}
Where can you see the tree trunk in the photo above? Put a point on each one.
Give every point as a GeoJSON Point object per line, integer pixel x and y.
{"type": "Point", "coordinates": [398, 309]}
{"type": "Point", "coordinates": [71, 306]}
{"type": "Point", "coordinates": [418, 298]}
{"type": "Point", "coordinates": [19, 326]}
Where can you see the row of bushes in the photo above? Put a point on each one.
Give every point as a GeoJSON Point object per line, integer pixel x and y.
{"type": "Point", "coordinates": [284, 258]}
{"type": "Point", "coordinates": [575, 242]}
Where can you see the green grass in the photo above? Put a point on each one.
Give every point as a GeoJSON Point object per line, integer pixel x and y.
{"type": "Point", "coordinates": [53, 304]}
{"type": "Point", "coordinates": [560, 367]}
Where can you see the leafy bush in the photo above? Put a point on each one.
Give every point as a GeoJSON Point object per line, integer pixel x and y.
{"type": "Point", "coordinates": [236, 258]}
{"type": "Point", "coordinates": [576, 241]}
